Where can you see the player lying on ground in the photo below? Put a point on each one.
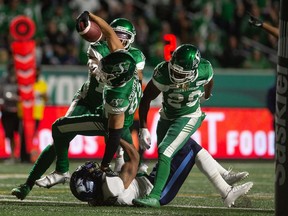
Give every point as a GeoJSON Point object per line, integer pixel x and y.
{"type": "Point", "coordinates": [90, 184]}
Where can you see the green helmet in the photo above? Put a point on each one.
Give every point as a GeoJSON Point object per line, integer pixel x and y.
{"type": "Point", "coordinates": [184, 63]}
{"type": "Point", "coordinates": [124, 30]}
{"type": "Point", "coordinates": [117, 68]}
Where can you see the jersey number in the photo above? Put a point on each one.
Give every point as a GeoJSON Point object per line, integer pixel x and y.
{"type": "Point", "coordinates": [135, 100]}
{"type": "Point", "coordinates": [175, 99]}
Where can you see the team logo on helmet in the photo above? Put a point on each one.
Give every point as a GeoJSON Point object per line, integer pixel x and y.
{"type": "Point", "coordinates": [117, 68]}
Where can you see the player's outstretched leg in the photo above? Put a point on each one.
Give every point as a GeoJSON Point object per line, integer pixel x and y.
{"type": "Point", "coordinates": [43, 162]}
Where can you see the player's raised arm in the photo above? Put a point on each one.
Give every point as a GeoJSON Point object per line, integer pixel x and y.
{"type": "Point", "coordinates": [256, 22]}
{"type": "Point", "coordinates": [112, 39]}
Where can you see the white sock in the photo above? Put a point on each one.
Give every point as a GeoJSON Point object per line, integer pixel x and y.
{"type": "Point", "coordinates": [206, 164]}
{"type": "Point", "coordinates": [119, 159]}
{"type": "Point", "coordinates": [220, 168]}
{"type": "Point", "coordinates": [119, 152]}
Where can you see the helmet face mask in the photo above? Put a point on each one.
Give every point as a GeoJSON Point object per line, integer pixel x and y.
{"type": "Point", "coordinates": [85, 186]}
{"type": "Point", "coordinates": [86, 182]}
{"type": "Point", "coordinates": [117, 68]}
{"type": "Point", "coordinates": [125, 39]}
{"type": "Point", "coordinates": [184, 63]}
{"type": "Point", "coordinates": [125, 31]}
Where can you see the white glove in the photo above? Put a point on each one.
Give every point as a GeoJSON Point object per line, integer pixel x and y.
{"type": "Point", "coordinates": [203, 99]}
{"type": "Point", "coordinates": [144, 138]}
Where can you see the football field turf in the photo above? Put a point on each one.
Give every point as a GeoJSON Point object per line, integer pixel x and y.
{"type": "Point", "coordinates": [196, 197]}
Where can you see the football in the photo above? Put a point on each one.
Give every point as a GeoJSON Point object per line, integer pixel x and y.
{"type": "Point", "coordinates": [92, 33]}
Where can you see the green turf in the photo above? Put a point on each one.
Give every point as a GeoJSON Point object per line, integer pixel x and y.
{"type": "Point", "coordinates": [196, 197]}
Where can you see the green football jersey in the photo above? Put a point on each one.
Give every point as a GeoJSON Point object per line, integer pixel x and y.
{"type": "Point", "coordinates": [91, 91]}
{"type": "Point", "coordinates": [125, 98]}
{"type": "Point", "coordinates": [100, 49]}
{"type": "Point", "coordinates": [179, 100]}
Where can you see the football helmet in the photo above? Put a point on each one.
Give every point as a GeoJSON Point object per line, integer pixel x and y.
{"type": "Point", "coordinates": [86, 182]}
{"type": "Point", "coordinates": [117, 68]}
{"type": "Point", "coordinates": [184, 63]}
{"type": "Point", "coordinates": [125, 31]}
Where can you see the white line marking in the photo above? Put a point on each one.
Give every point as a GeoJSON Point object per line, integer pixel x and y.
{"type": "Point", "coordinates": [85, 204]}
{"type": "Point", "coordinates": [213, 207]}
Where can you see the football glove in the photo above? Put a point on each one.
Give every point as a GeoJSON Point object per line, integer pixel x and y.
{"type": "Point", "coordinates": [144, 138]}
{"type": "Point", "coordinates": [82, 21]}
{"type": "Point", "coordinates": [254, 21]}
{"type": "Point", "coordinates": [203, 99]}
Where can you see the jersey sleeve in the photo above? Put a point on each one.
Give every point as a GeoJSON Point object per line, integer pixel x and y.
{"type": "Point", "coordinates": [139, 57]}
{"type": "Point", "coordinates": [160, 77]}
{"type": "Point", "coordinates": [112, 187]}
{"type": "Point", "coordinates": [205, 72]}
{"type": "Point", "coordinates": [98, 50]}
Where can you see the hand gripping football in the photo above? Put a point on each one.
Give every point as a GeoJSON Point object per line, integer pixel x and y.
{"type": "Point", "coordinates": [92, 33]}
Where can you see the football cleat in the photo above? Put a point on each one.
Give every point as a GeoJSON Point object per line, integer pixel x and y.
{"type": "Point", "coordinates": [21, 191]}
{"type": "Point", "coordinates": [235, 192]}
{"type": "Point", "coordinates": [234, 177]}
{"type": "Point", "coordinates": [147, 201]}
{"type": "Point", "coordinates": [53, 179]}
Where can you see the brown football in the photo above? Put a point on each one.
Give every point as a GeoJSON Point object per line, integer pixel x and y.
{"type": "Point", "coordinates": [92, 33]}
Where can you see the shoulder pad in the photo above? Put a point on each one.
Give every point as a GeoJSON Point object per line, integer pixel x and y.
{"type": "Point", "coordinates": [137, 54]}
{"type": "Point", "coordinates": [112, 187]}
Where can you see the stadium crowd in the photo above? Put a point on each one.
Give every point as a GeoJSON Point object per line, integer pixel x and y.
{"type": "Point", "coordinates": [219, 28]}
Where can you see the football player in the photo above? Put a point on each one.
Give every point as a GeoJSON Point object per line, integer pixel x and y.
{"type": "Point", "coordinates": [122, 92]}
{"type": "Point", "coordinates": [183, 81]}
{"type": "Point", "coordinates": [126, 32]}
{"type": "Point", "coordinates": [90, 184]}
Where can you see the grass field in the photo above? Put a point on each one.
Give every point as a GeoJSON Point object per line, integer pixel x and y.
{"type": "Point", "coordinates": [196, 197]}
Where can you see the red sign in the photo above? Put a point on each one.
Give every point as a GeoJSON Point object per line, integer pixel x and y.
{"type": "Point", "coordinates": [170, 45]}
{"type": "Point", "coordinates": [22, 30]}
{"type": "Point", "coordinates": [227, 133]}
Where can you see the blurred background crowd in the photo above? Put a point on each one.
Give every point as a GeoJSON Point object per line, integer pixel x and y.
{"type": "Point", "coordinates": [219, 28]}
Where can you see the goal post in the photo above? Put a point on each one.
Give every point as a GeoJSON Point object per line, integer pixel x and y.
{"type": "Point", "coordinates": [281, 116]}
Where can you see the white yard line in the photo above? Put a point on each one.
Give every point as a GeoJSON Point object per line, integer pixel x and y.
{"type": "Point", "coordinates": [224, 208]}
{"type": "Point", "coordinates": [5, 200]}
{"type": "Point", "coordinates": [8, 176]}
